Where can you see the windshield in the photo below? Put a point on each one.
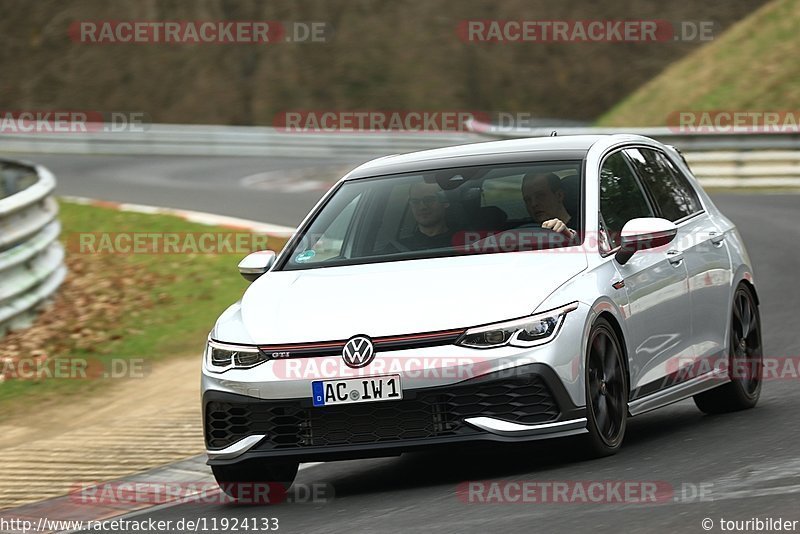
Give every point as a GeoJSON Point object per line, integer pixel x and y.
{"type": "Point", "coordinates": [460, 211]}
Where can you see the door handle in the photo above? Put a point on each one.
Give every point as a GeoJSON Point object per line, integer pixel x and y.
{"type": "Point", "coordinates": [675, 257]}
{"type": "Point", "coordinates": [716, 238]}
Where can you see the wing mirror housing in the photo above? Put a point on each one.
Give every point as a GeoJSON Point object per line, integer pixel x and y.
{"type": "Point", "coordinates": [255, 264]}
{"type": "Point", "coordinates": [644, 233]}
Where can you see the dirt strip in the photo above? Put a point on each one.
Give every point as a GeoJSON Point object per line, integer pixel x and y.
{"type": "Point", "coordinates": [135, 425]}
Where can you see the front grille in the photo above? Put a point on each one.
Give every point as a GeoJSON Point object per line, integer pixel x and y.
{"type": "Point", "coordinates": [436, 412]}
{"type": "Point", "coordinates": [381, 344]}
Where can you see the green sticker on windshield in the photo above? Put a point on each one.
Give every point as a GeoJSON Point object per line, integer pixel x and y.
{"type": "Point", "coordinates": [304, 256]}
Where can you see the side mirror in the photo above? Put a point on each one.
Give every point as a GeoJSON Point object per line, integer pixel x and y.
{"type": "Point", "coordinates": [255, 264]}
{"type": "Point", "coordinates": [644, 233]}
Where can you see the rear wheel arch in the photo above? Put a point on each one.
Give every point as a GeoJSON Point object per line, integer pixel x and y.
{"type": "Point", "coordinates": [744, 279]}
{"type": "Point", "coordinates": [742, 391]}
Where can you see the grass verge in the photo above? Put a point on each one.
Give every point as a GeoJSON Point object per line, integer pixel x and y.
{"type": "Point", "coordinates": [750, 67]}
{"type": "Point", "coordinates": [118, 312]}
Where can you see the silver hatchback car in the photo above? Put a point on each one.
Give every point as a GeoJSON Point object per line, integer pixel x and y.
{"type": "Point", "coordinates": [505, 291]}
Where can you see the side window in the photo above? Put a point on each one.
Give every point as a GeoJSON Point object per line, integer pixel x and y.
{"type": "Point", "coordinates": [689, 194]}
{"type": "Point", "coordinates": [621, 197]}
{"type": "Point", "coordinates": [671, 191]}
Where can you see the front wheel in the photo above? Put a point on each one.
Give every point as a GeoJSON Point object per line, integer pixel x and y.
{"type": "Point", "coordinates": [606, 391]}
{"type": "Point", "coordinates": [253, 482]}
{"type": "Point", "coordinates": [745, 360]}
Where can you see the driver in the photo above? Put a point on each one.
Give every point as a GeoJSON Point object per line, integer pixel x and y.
{"type": "Point", "coordinates": [544, 200]}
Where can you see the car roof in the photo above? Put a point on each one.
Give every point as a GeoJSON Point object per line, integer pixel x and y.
{"type": "Point", "coordinates": [508, 151]}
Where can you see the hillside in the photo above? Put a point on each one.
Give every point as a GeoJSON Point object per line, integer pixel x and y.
{"type": "Point", "coordinates": [752, 66]}
{"type": "Point", "coordinates": [382, 55]}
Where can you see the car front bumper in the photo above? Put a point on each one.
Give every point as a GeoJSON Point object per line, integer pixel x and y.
{"type": "Point", "coordinates": [522, 403]}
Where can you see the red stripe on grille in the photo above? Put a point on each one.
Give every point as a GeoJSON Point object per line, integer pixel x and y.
{"type": "Point", "coordinates": [340, 344]}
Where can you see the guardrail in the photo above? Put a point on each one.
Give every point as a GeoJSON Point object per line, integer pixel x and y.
{"type": "Point", "coordinates": [210, 140]}
{"type": "Point", "coordinates": [738, 159]}
{"type": "Point", "coordinates": [767, 159]}
{"type": "Point", "coordinates": [754, 168]}
{"type": "Point", "coordinates": [31, 257]}
{"type": "Point", "coordinates": [685, 141]}
{"type": "Point", "coordinates": [205, 140]}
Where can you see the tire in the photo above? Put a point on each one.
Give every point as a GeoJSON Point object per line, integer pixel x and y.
{"type": "Point", "coordinates": [745, 360]}
{"type": "Point", "coordinates": [606, 391]}
{"type": "Point", "coordinates": [253, 482]}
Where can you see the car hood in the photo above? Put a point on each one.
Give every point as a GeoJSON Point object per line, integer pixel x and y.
{"type": "Point", "coordinates": [395, 298]}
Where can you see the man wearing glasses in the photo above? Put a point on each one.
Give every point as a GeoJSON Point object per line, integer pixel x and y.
{"type": "Point", "coordinates": [429, 208]}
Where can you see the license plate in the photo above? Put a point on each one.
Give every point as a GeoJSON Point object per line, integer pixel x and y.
{"type": "Point", "coordinates": [352, 390]}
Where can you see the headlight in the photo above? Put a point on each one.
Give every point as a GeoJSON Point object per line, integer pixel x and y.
{"type": "Point", "coordinates": [222, 356]}
{"type": "Point", "coordinates": [523, 332]}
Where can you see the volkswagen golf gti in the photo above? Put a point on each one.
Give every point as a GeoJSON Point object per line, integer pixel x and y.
{"type": "Point", "coordinates": [502, 291]}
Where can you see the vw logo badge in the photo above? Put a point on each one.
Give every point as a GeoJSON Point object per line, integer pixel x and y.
{"type": "Point", "coordinates": [358, 352]}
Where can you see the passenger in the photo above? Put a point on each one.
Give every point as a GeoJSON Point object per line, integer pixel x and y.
{"type": "Point", "coordinates": [429, 208]}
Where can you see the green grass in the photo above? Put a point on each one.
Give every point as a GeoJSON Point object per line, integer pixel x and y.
{"type": "Point", "coordinates": [751, 67]}
{"type": "Point", "coordinates": [168, 314]}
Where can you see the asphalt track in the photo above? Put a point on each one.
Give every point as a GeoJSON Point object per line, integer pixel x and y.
{"type": "Point", "coordinates": [275, 190]}
{"type": "Point", "coordinates": [747, 463]}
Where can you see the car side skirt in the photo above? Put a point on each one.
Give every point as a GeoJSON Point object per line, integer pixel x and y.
{"type": "Point", "coordinates": [679, 392]}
